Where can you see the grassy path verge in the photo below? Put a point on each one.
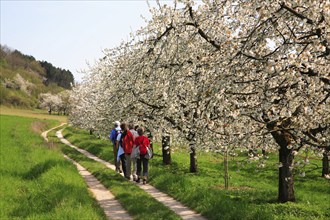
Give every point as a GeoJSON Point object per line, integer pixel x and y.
{"type": "Point", "coordinates": [111, 207]}
{"type": "Point", "coordinates": [108, 202]}
{"type": "Point", "coordinates": [252, 193]}
{"type": "Point", "coordinates": [137, 202]}
{"type": "Point", "coordinates": [36, 181]}
{"type": "Point", "coordinates": [178, 208]}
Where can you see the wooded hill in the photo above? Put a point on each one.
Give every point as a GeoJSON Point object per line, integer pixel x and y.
{"type": "Point", "coordinates": [23, 78]}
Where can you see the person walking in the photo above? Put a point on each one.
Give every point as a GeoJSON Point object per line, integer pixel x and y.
{"type": "Point", "coordinates": [127, 142]}
{"type": "Point", "coordinates": [142, 142]}
{"type": "Point", "coordinates": [133, 159]}
{"type": "Point", "coordinates": [113, 137]}
{"type": "Point", "coordinates": [120, 157]}
{"type": "Point", "coordinates": [133, 130]}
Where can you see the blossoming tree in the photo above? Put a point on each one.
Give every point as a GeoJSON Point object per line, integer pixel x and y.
{"type": "Point", "coordinates": [223, 73]}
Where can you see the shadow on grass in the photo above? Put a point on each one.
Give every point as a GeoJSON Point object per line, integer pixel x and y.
{"type": "Point", "coordinates": [36, 171]}
{"type": "Point", "coordinates": [45, 199]}
{"type": "Point", "coordinates": [95, 149]}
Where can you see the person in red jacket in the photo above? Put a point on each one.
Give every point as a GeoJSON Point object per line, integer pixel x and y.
{"type": "Point", "coordinates": [142, 142]}
{"type": "Point", "coordinates": [127, 143]}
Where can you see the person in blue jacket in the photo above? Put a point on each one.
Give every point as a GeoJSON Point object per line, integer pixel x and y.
{"type": "Point", "coordinates": [113, 137]}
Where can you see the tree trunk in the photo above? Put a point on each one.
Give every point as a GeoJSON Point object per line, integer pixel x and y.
{"type": "Point", "coordinates": [226, 177]}
{"type": "Point", "coordinates": [325, 164]}
{"type": "Point", "coordinates": [90, 131]}
{"type": "Point", "coordinates": [166, 150]}
{"type": "Point", "coordinates": [285, 176]}
{"type": "Point", "coordinates": [151, 137]}
{"type": "Point", "coordinates": [193, 158]}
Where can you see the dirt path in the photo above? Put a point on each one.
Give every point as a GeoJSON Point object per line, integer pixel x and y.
{"type": "Point", "coordinates": [112, 208]}
{"type": "Point", "coordinates": [45, 133]}
{"type": "Point", "coordinates": [181, 210]}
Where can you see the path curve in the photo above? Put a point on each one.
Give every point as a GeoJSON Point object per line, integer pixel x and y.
{"type": "Point", "coordinates": [181, 210]}
{"type": "Point", "coordinates": [111, 207]}
{"type": "Point", "coordinates": [45, 133]}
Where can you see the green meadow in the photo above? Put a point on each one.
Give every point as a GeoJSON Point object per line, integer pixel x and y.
{"type": "Point", "coordinates": [36, 181]}
{"type": "Point", "coordinates": [252, 193]}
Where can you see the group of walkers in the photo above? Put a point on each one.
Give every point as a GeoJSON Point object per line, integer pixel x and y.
{"type": "Point", "coordinates": [131, 148]}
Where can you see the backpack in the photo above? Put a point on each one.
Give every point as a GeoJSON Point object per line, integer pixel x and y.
{"type": "Point", "coordinates": [113, 135]}
{"type": "Point", "coordinates": [127, 141]}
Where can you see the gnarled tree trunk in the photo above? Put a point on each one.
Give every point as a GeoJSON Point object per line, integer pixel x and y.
{"type": "Point", "coordinates": [193, 157]}
{"type": "Point", "coordinates": [285, 176]}
{"type": "Point", "coordinates": [286, 159]}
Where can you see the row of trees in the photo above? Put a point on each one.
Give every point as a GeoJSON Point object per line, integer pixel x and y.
{"type": "Point", "coordinates": [55, 102]}
{"type": "Point", "coordinates": [222, 75]}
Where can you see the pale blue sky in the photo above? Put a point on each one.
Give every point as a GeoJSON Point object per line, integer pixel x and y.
{"type": "Point", "coordinates": [69, 33]}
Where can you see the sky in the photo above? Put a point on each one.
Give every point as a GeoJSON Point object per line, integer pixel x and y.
{"type": "Point", "coordinates": [69, 34]}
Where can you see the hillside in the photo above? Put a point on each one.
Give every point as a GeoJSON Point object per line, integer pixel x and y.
{"type": "Point", "coordinates": [23, 78]}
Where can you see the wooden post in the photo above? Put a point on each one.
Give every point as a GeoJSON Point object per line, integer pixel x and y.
{"type": "Point", "coordinates": [226, 177]}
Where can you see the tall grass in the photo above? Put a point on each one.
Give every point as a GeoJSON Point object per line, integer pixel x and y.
{"type": "Point", "coordinates": [36, 181]}
{"type": "Point", "coordinates": [253, 191]}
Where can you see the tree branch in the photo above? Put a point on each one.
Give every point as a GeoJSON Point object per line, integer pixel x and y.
{"type": "Point", "coordinates": [309, 21]}
{"type": "Point", "coordinates": [200, 31]}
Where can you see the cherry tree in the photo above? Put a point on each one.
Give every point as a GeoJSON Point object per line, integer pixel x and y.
{"type": "Point", "coordinates": [85, 105]}
{"type": "Point", "coordinates": [223, 73]}
{"type": "Point", "coordinates": [282, 89]}
{"type": "Point", "coordinates": [64, 105]}
{"type": "Point", "coordinates": [285, 88]}
{"type": "Point", "coordinates": [50, 101]}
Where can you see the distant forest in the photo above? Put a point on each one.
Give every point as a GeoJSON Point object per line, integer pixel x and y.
{"type": "Point", "coordinates": [61, 77]}
{"type": "Point", "coordinates": [50, 73]}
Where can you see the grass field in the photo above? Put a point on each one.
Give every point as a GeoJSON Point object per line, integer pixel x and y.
{"type": "Point", "coordinates": [35, 113]}
{"type": "Point", "coordinates": [36, 181]}
{"type": "Point", "coordinates": [253, 191]}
